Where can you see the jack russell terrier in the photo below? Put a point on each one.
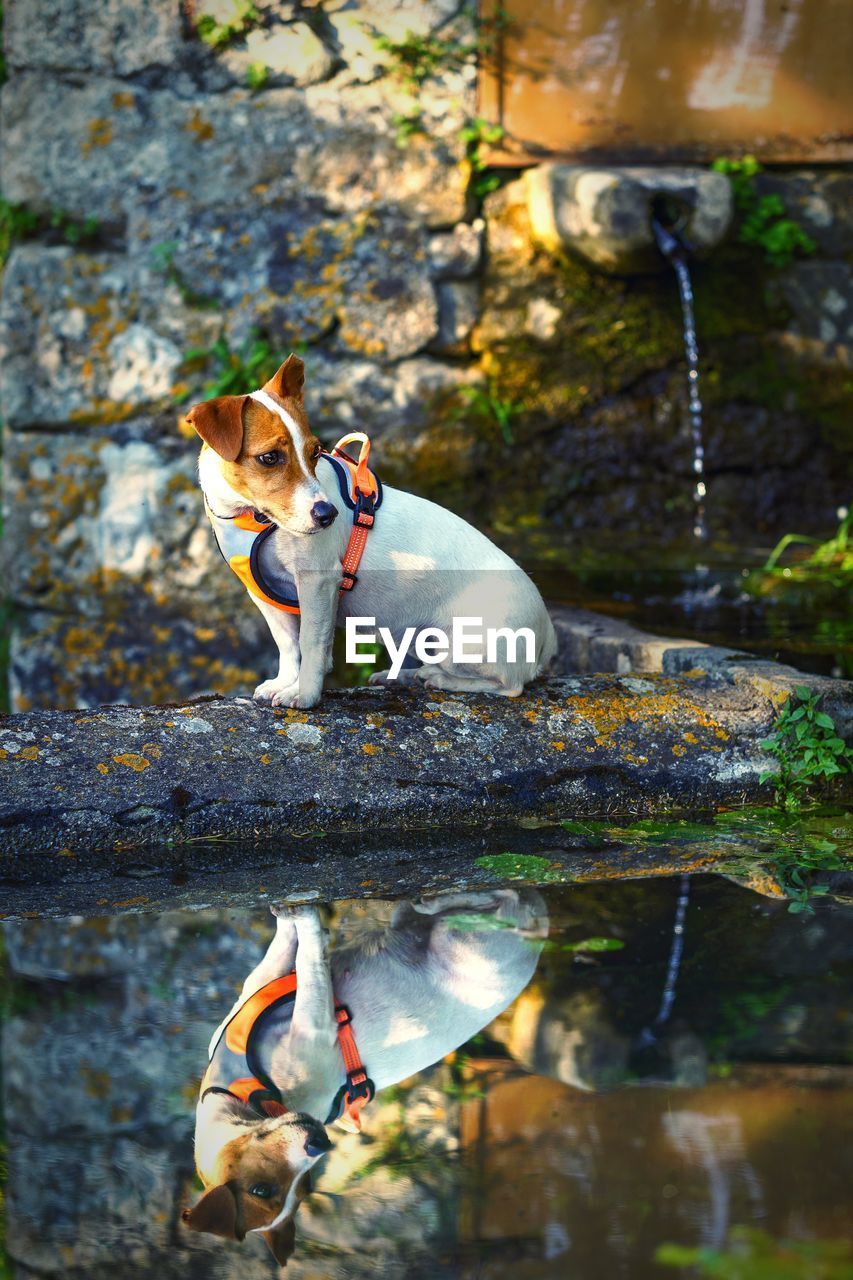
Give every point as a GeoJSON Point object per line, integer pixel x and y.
{"type": "Point", "coordinates": [273, 495]}
{"type": "Point", "coordinates": [314, 1036]}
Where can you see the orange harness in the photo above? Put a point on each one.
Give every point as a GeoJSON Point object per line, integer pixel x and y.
{"type": "Point", "coordinates": [241, 538]}
{"type": "Point", "coordinates": [235, 1069]}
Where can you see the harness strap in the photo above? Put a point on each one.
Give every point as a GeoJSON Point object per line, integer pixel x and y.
{"type": "Point", "coordinates": [366, 492]}
{"type": "Point", "coordinates": [360, 1089]}
{"type": "Point", "coordinates": [262, 1094]}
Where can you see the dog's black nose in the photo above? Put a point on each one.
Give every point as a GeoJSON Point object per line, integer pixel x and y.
{"type": "Point", "coordinates": [318, 1144]}
{"type": "Point", "coordinates": [323, 514]}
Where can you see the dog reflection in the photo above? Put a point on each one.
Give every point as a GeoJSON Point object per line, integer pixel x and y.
{"type": "Point", "coordinates": [315, 1034]}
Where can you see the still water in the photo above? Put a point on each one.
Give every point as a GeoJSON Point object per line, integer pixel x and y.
{"type": "Point", "coordinates": [627, 1107]}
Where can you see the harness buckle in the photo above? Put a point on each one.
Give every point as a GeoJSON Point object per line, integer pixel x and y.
{"type": "Point", "coordinates": [365, 506]}
{"type": "Point", "coordinates": [359, 1085]}
{"type": "Point", "coordinates": [349, 580]}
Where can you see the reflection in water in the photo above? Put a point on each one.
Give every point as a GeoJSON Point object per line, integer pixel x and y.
{"type": "Point", "coordinates": [526, 1152]}
{"type": "Point", "coordinates": [286, 1060]}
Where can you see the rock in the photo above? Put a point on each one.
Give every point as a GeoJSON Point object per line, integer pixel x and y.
{"type": "Point", "coordinates": [296, 273]}
{"type": "Point", "coordinates": [125, 38]}
{"type": "Point", "coordinates": [89, 338]}
{"type": "Point", "coordinates": [820, 296]}
{"type": "Point", "coordinates": [395, 406]}
{"type": "Point", "coordinates": [457, 254]}
{"type": "Point", "coordinates": [592, 745]}
{"type": "Point", "coordinates": [110, 143]}
{"type": "Point", "coordinates": [605, 214]}
{"type": "Point", "coordinates": [293, 53]}
{"type": "Point", "coordinates": [458, 307]}
{"type": "Point", "coordinates": [122, 502]}
{"type": "Point", "coordinates": [357, 169]}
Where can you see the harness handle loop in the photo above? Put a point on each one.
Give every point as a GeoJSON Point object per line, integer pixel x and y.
{"type": "Point", "coordinates": [364, 482]}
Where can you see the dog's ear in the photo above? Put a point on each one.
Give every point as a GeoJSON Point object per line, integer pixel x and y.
{"type": "Point", "coordinates": [219, 422]}
{"type": "Point", "coordinates": [215, 1212]}
{"type": "Point", "coordinates": [289, 380]}
{"type": "Point", "coordinates": [281, 1240]}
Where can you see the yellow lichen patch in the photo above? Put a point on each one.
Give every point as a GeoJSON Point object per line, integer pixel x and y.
{"type": "Point", "coordinates": [131, 902]}
{"type": "Point", "coordinates": [123, 99]}
{"type": "Point", "coordinates": [103, 768]}
{"type": "Point", "coordinates": [691, 738]}
{"type": "Point", "coordinates": [66, 853]}
{"type": "Point", "coordinates": [297, 717]}
{"type": "Point", "coordinates": [200, 128]}
{"type": "Point", "coordinates": [132, 760]}
{"type": "Point", "coordinates": [679, 750]}
{"type": "Point", "coordinates": [376, 719]}
{"type": "Point", "coordinates": [151, 749]}
{"type": "Point", "coordinates": [615, 709]}
{"type": "Point", "coordinates": [29, 753]}
{"type": "Point", "coordinates": [531, 716]}
{"type": "Point", "coordinates": [265, 759]}
{"type": "Point", "coordinates": [370, 748]}
{"type": "Point", "coordinates": [205, 634]}
{"type": "Point", "coordinates": [99, 133]}
{"type": "Point", "coordinates": [558, 746]}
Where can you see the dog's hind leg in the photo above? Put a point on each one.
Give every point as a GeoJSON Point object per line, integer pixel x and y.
{"type": "Point", "coordinates": [447, 679]}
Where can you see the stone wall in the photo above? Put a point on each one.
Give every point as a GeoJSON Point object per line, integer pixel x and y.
{"type": "Point", "coordinates": [297, 214]}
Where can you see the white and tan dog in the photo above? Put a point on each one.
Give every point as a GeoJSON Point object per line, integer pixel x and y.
{"type": "Point", "coordinates": [415, 990]}
{"type": "Point", "coordinates": [422, 567]}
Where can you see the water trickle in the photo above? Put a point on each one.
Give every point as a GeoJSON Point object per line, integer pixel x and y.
{"type": "Point", "coordinates": [673, 248]}
{"type": "Point", "coordinates": [650, 1034]}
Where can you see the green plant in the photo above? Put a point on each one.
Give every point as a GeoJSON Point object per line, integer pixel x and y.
{"type": "Point", "coordinates": [488, 404]}
{"type": "Point", "coordinates": [752, 1254]}
{"type": "Point", "coordinates": [475, 134]}
{"type": "Point", "coordinates": [764, 221]}
{"type": "Point", "coordinates": [521, 866]}
{"type": "Point", "coordinates": [18, 222]}
{"type": "Point", "coordinates": [234, 371]}
{"type": "Point", "coordinates": [406, 125]}
{"type": "Point", "coordinates": [418, 58]}
{"type": "Point", "coordinates": [257, 75]}
{"type": "Point", "coordinates": [832, 558]}
{"type": "Point", "coordinates": [163, 259]}
{"type": "Point", "coordinates": [806, 744]}
{"type": "Point", "coordinates": [73, 230]}
{"type": "Point", "coordinates": [218, 34]}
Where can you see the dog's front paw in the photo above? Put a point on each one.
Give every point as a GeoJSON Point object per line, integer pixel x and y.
{"type": "Point", "coordinates": [296, 697]}
{"type": "Point", "coordinates": [278, 693]}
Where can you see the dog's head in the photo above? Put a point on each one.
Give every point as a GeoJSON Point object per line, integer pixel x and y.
{"type": "Point", "coordinates": [268, 454]}
{"type": "Point", "coordinates": [257, 1180]}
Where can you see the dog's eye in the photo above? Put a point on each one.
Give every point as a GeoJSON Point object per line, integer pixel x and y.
{"type": "Point", "coordinates": [318, 449]}
{"type": "Point", "coordinates": [263, 1190]}
{"type": "Point", "coordinates": [270, 459]}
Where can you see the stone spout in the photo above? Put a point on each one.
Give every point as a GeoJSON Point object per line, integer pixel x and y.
{"type": "Point", "coordinates": [605, 215]}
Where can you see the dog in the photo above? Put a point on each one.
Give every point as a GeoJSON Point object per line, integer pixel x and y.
{"type": "Point", "coordinates": [267, 480]}
{"type": "Point", "coordinates": [406, 995]}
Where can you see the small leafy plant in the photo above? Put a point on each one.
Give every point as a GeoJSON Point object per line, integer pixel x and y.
{"type": "Point", "coordinates": [19, 222]}
{"type": "Point", "coordinates": [806, 744]}
{"type": "Point", "coordinates": [163, 259]}
{"type": "Point", "coordinates": [488, 404]}
{"type": "Point", "coordinates": [475, 134]}
{"type": "Point", "coordinates": [234, 371]}
{"type": "Point", "coordinates": [764, 219]}
{"type": "Point", "coordinates": [832, 558]}
{"type": "Point", "coordinates": [257, 75]}
{"type": "Point", "coordinates": [219, 34]}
